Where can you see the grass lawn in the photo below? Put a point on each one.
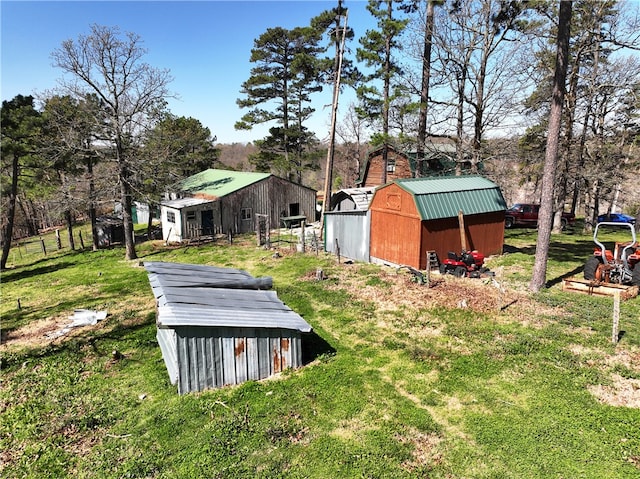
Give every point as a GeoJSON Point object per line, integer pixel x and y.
{"type": "Point", "coordinates": [460, 380]}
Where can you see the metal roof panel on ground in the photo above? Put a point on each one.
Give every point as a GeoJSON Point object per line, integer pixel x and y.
{"type": "Point", "coordinates": [217, 183]}
{"type": "Point", "coordinates": [199, 295]}
{"type": "Point", "coordinates": [444, 197]}
{"type": "Point", "coordinates": [176, 315]}
{"type": "Point", "coordinates": [181, 275]}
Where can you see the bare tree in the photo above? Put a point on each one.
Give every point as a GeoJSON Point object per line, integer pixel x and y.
{"type": "Point", "coordinates": [352, 133]}
{"type": "Point", "coordinates": [477, 51]}
{"type": "Point", "coordinates": [111, 66]}
{"type": "Point", "coordinates": [545, 218]}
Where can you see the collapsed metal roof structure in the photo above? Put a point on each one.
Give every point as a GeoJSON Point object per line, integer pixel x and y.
{"type": "Point", "coordinates": [220, 326]}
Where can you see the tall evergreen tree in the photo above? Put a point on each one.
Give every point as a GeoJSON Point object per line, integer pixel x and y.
{"type": "Point", "coordinates": [378, 54]}
{"type": "Point", "coordinates": [20, 128]}
{"type": "Point", "coordinates": [177, 147]}
{"type": "Point", "coordinates": [71, 128]}
{"type": "Point", "coordinates": [287, 72]}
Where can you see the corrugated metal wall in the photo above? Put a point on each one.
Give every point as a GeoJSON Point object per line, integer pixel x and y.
{"type": "Point", "coordinates": [167, 341]}
{"type": "Point", "coordinates": [215, 356]}
{"type": "Point", "coordinates": [272, 196]}
{"type": "Point", "coordinates": [352, 230]}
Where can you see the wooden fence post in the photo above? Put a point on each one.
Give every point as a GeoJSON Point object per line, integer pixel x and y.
{"type": "Point", "coordinates": [43, 247]}
{"type": "Point", "coordinates": [58, 240]}
{"type": "Point", "coordinates": [616, 318]}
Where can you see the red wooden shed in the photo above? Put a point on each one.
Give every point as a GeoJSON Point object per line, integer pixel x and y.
{"type": "Point", "coordinates": [412, 216]}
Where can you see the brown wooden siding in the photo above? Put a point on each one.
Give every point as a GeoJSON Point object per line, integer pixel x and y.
{"type": "Point", "coordinates": [484, 232]}
{"type": "Point", "coordinates": [374, 173]}
{"type": "Point", "coordinates": [395, 227]}
{"type": "Point", "coordinates": [400, 237]}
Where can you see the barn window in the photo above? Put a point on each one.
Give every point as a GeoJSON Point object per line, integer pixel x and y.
{"type": "Point", "coordinates": [171, 217]}
{"type": "Point", "coordinates": [245, 213]}
{"type": "Point", "coordinates": [391, 166]}
{"type": "Point", "coordinates": [191, 215]}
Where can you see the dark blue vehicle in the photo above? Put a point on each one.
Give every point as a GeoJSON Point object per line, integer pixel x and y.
{"type": "Point", "coordinates": [617, 218]}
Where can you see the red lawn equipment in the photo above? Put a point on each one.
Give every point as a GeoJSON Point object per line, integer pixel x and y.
{"type": "Point", "coordinates": [468, 264]}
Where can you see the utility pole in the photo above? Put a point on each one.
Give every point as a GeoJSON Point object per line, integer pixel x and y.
{"type": "Point", "coordinates": [328, 179]}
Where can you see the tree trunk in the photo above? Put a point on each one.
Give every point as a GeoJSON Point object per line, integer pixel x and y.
{"type": "Point", "coordinates": [462, 80]}
{"type": "Point", "coordinates": [92, 206]}
{"type": "Point", "coordinates": [69, 219]}
{"type": "Point", "coordinates": [424, 91]}
{"type": "Point", "coordinates": [150, 222]}
{"type": "Point", "coordinates": [129, 238]}
{"type": "Point", "coordinates": [125, 199]}
{"type": "Point", "coordinates": [545, 218]}
{"type": "Point", "coordinates": [11, 212]}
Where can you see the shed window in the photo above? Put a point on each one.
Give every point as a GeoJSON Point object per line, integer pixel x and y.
{"type": "Point", "coordinates": [391, 166]}
{"type": "Point", "coordinates": [191, 215]}
{"type": "Point", "coordinates": [245, 214]}
{"type": "Point", "coordinates": [171, 217]}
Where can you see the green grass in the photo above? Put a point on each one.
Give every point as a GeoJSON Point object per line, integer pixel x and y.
{"type": "Point", "coordinates": [399, 386]}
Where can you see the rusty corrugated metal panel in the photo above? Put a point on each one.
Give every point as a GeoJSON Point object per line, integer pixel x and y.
{"type": "Point", "coordinates": [226, 356]}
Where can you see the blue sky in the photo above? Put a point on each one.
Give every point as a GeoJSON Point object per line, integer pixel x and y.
{"type": "Point", "coordinates": [205, 44]}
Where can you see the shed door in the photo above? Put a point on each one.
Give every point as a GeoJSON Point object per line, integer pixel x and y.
{"type": "Point", "coordinates": [207, 222]}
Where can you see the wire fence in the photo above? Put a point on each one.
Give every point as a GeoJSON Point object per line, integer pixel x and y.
{"type": "Point", "coordinates": [49, 243]}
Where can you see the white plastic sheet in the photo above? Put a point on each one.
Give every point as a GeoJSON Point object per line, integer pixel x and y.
{"type": "Point", "coordinates": [81, 317]}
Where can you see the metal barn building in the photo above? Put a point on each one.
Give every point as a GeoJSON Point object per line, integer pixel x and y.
{"type": "Point", "coordinates": [222, 202]}
{"type": "Point", "coordinates": [221, 326]}
{"type": "Point", "coordinates": [347, 225]}
{"type": "Point", "coordinates": [412, 216]}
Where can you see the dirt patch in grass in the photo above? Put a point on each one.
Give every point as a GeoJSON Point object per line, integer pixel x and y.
{"type": "Point", "coordinates": [483, 295]}
{"type": "Point", "coordinates": [622, 392]}
{"type": "Point", "coordinates": [36, 333]}
{"type": "Point", "coordinates": [425, 452]}
{"type": "Point", "coordinates": [48, 331]}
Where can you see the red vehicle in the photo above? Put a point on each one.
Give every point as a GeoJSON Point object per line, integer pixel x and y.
{"type": "Point", "coordinates": [469, 264]}
{"type": "Point", "coordinates": [620, 265]}
{"type": "Point", "coordinates": [525, 214]}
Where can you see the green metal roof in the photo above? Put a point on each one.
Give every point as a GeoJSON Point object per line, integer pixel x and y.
{"type": "Point", "coordinates": [444, 197]}
{"type": "Point", "coordinates": [219, 183]}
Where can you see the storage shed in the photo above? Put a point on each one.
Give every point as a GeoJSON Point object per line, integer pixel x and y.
{"type": "Point", "coordinates": [222, 201]}
{"type": "Point", "coordinates": [221, 326]}
{"type": "Point", "coordinates": [110, 230]}
{"type": "Point", "coordinates": [412, 216]}
{"type": "Point", "coordinates": [347, 225]}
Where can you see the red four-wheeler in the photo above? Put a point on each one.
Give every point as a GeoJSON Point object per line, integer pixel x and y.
{"type": "Point", "coordinates": [620, 266]}
{"type": "Point", "coordinates": [469, 263]}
